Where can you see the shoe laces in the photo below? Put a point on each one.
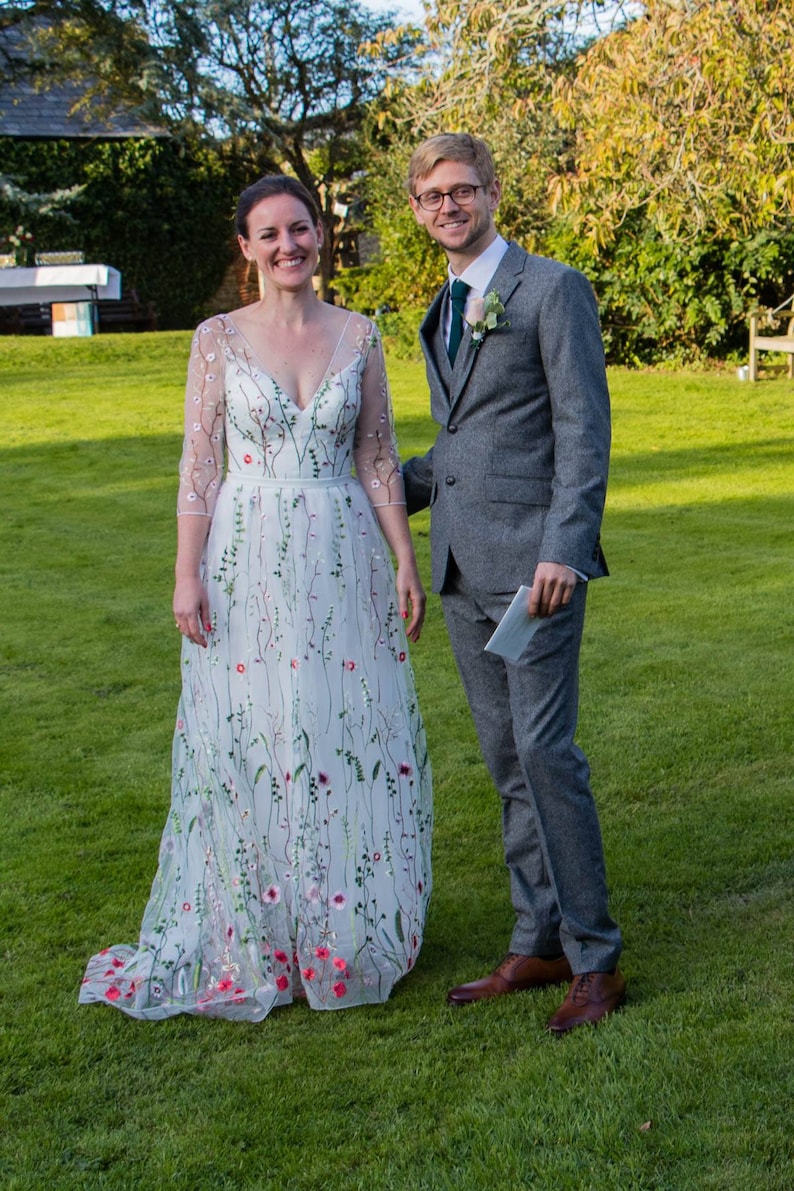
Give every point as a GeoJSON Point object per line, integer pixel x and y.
{"type": "Point", "coordinates": [580, 993]}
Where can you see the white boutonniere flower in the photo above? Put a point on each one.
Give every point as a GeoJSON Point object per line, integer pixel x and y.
{"type": "Point", "coordinates": [482, 315]}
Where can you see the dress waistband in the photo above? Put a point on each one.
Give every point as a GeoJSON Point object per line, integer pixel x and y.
{"type": "Point", "coordinates": [239, 477]}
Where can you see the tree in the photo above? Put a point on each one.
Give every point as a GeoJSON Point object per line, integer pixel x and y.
{"type": "Point", "coordinates": [686, 114]}
{"type": "Point", "coordinates": [678, 196]}
{"type": "Point", "coordinates": [285, 79]}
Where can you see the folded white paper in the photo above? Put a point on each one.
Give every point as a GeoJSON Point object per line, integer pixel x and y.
{"type": "Point", "coordinates": [516, 628]}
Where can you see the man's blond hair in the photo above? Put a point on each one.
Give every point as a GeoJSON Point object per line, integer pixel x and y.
{"type": "Point", "coordinates": [451, 146]}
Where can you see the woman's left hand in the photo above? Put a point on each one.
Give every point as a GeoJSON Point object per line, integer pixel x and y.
{"type": "Point", "coordinates": [412, 599]}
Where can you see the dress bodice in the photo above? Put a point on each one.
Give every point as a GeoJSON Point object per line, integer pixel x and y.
{"type": "Point", "coordinates": [235, 408]}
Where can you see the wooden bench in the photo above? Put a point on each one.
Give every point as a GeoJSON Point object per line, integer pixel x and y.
{"type": "Point", "coordinates": [126, 313]}
{"type": "Point", "coordinates": [773, 343]}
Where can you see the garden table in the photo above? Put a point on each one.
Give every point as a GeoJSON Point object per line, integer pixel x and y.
{"type": "Point", "coordinates": [58, 283]}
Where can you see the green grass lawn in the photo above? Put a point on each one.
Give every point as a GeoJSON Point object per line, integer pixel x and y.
{"type": "Point", "coordinates": [687, 701]}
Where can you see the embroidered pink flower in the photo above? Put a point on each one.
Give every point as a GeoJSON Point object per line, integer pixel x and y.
{"type": "Point", "coordinates": [376, 856]}
{"type": "Point", "coordinates": [112, 994]}
{"type": "Point", "coordinates": [186, 906]}
{"type": "Point", "coordinates": [272, 895]}
{"type": "Point", "coordinates": [322, 952]}
{"type": "Point", "coordinates": [224, 985]}
{"type": "Point", "coordinates": [308, 973]}
{"type": "Point", "coordinates": [240, 668]}
{"type": "Point", "coordinates": [180, 724]}
{"type": "Point", "coordinates": [248, 459]}
{"type": "Point", "coordinates": [281, 956]}
{"type": "Point", "coordinates": [350, 665]}
{"type": "Point", "coordinates": [282, 983]}
{"type": "Point", "coordinates": [339, 900]}
{"type": "Point", "coordinates": [339, 989]}
{"type": "Point", "coordinates": [294, 663]}
{"type": "Point", "coordinates": [340, 964]}
{"type": "Point", "coordinates": [401, 655]}
{"type": "Point", "coordinates": [118, 963]}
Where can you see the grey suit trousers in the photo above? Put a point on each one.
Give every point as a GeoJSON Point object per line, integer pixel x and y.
{"type": "Point", "coordinates": [525, 713]}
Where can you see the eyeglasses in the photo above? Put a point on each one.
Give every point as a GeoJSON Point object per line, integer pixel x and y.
{"type": "Point", "coordinates": [462, 196]}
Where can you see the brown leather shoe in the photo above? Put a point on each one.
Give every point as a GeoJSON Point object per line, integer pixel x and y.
{"type": "Point", "coordinates": [514, 974]}
{"type": "Point", "coordinates": [592, 995]}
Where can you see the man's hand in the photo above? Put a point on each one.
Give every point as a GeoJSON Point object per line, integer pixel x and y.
{"type": "Point", "coordinates": [552, 588]}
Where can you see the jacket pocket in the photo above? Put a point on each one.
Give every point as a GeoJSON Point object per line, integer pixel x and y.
{"type": "Point", "coordinates": [518, 490]}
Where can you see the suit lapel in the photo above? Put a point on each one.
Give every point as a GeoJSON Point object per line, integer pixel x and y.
{"type": "Point", "coordinates": [432, 340]}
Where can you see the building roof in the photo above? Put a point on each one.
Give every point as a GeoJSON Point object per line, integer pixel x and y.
{"type": "Point", "coordinates": [30, 109]}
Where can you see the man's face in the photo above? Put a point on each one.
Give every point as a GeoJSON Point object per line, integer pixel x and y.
{"type": "Point", "coordinates": [462, 231]}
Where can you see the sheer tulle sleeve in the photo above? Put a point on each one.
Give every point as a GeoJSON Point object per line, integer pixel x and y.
{"type": "Point", "coordinates": [201, 469]}
{"type": "Point", "coordinates": [375, 456]}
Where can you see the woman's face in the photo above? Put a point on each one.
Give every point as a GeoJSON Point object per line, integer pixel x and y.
{"type": "Point", "coordinates": [283, 240]}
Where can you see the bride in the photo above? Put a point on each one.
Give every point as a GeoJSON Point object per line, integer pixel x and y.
{"type": "Point", "coordinates": [295, 860]}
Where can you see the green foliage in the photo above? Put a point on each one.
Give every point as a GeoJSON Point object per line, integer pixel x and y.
{"type": "Point", "coordinates": [686, 719]}
{"type": "Point", "coordinates": [676, 300]}
{"type": "Point", "coordinates": [158, 210]}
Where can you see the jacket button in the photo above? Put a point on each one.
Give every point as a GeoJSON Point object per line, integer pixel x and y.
{"type": "Point", "coordinates": [450, 480]}
{"type": "Point", "coordinates": [452, 428]}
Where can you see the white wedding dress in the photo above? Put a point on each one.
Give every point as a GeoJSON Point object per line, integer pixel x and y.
{"type": "Point", "coordinates": [295, 860]}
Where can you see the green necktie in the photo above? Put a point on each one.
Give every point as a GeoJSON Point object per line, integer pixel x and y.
{"type": "Point", "coordinates": [457, 294]}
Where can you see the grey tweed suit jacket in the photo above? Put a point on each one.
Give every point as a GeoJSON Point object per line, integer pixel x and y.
{"type": "Point", "coordinates": [518, 471]}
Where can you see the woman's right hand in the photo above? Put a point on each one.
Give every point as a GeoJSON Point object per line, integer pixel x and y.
{"type": "Point", "coordinates": [192, 609]}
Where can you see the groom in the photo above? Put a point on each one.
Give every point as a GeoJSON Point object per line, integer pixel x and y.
{"type": "Point", "coordinates": [516, 483]}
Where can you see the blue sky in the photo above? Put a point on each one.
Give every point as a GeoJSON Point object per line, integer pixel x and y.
{"type": "Point", "coordinates": [410, 9]}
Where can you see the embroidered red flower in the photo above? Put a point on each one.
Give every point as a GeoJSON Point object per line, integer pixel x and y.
{"type": "Point", "coordinates": [322, 952]}
{"type": "Point", "coordinates": [282, 983]}
{"type": "Point", "coordinates": [340, 964]}
{"type": "Point", "coordinates": [112, 994]}
{"type": "Point", "coordinates": [339, 989]}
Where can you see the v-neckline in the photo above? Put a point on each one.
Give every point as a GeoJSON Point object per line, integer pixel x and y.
{"type": "Point", "coordinates": [288, 397]}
